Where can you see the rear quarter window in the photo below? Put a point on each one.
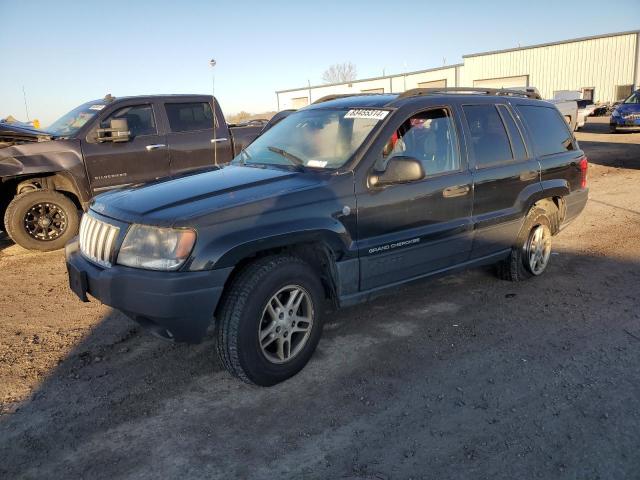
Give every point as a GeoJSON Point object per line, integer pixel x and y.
{"type": "Point", "coordinates": [548, 129]}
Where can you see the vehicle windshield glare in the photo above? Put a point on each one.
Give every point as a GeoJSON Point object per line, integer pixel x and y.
{"type": "Point", "coordinates": [317, 138]}
{"type": "Point", "coordinates": [69, 124]}
{"type": "Point", "coordinates": [633, 98]}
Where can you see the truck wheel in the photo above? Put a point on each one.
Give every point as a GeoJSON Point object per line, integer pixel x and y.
{"type": "Point", "coordinates": [530, 255]}
{"type": "Point", "coordinates": [271, 320]}
{"type": "Point", "coordinates": [41, 220]}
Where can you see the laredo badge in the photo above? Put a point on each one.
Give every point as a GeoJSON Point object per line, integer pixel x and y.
{"type": "Point", "coordinates": [367, 114]}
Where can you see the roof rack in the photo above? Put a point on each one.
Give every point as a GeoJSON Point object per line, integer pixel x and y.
{"type": "Point", "coordinates": [530, 92]}
{"type": "Point", "coordinates": [335, 96]}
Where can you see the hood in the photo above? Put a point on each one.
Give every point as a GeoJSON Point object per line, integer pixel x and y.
{"type": "Point", "coordinates": [12, 133]}
{"type": "Point", "coordinates": [177, 201]}
{"type": "Point", "coordinates": [625, 108]}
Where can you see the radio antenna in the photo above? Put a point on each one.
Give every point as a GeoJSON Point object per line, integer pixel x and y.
{"type": "Point", "coordinates": [214, 140]}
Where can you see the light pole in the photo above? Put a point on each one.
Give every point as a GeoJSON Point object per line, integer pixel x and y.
{"type": "Point", "coordinates": [214, 140]}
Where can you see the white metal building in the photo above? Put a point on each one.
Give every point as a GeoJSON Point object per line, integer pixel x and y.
{"type": "Point", "coordinates": [605, 68]}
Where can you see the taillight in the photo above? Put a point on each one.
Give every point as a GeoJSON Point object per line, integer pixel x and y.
{"type": "Point", "coordinates": [584, 166]}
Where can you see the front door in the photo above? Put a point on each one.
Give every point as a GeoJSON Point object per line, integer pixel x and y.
{"type": "Point", "coordinates": [411, 229]}
{"type": "Point", "coordinates": [192, 144]}
{"type": "Point", "coordinates": [143, 158]}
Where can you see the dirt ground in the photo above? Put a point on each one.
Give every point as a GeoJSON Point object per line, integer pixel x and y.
{"type": "Point", "coordinates": [462, 377]}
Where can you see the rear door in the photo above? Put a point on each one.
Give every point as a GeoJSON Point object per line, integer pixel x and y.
{"type": "Point", "coordinates": [192, 143]}
{"type": "Point", "coordinates": [505, 175]}
{"type": "Point", "coordinates": [411, 229]}
{"type": "Point", "coordinates": [143, 158]}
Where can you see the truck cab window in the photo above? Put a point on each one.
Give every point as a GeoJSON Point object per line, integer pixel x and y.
{"type": "Point", "coordinates": [428, 137]}
{"type": "Point", "coordinates": [489, 140]}
{"type": "Point", "coordinates": [139, 119]}
{"type": "Point", "coordinates": [188, 117]}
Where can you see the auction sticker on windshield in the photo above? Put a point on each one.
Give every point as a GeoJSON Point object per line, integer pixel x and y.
{"type": "Point", "coordinates": [96, 107]}
{"type": "Point", "coordinates": [367, 114]}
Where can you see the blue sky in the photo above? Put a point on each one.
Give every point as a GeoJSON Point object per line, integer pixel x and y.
{"type": "Point", "coordinates": [65, 53]}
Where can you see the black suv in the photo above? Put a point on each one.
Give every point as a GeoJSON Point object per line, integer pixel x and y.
{"type": "Point", "coordinates": [336, 203]}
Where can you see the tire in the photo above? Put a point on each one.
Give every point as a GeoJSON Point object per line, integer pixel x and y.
{"type": "Point", "coordinates": [518, 266]}
{"type": "Point", "coordinates": [245, 316]}
{"type": "Point", "coordinates": [613, 130]}
{"type": "Point", "coordinates": [24, 228]}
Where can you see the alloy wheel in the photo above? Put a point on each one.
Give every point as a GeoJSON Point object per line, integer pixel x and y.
{"type": "Point", "coordinates": [286, 323]}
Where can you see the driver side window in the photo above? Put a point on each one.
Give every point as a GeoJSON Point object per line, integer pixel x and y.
{"type": "Point", "coordinates": [430, 138]}
{"type": "Point", "coordinates": [139, 118]}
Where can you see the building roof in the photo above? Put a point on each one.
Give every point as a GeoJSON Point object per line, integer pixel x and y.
{"type": "Point", "coordinates": [560, 42]}
{"type": "Point", "coordinates": [446, 67]}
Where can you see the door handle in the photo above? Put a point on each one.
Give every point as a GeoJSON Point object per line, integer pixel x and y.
{"type": "Point", "coordinates": [529, 175]}
{"type": "Point", "coordinates": [154, 147]}
{"type": "Point", "coordinates": [217, 140]}
{"type": "Point", "coordinates": [457, 191]}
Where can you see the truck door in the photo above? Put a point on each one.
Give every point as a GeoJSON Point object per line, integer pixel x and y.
{"type": "Point", "coordinates": [505, 175]}
{"type": "Point", "coordinates": [191, 138]}
{"type": "Point", "coordinates": [143, 158]}
{"type": "Point", "coordinates": [411, 229]}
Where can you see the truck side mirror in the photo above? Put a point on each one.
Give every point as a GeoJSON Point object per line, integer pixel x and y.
{"type": "Point", "coordinates": [400, 169]}
{"type": "Point", "coordinates": [117, 132]}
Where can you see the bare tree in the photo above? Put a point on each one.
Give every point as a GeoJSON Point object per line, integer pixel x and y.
{"type": "Point", "coordinates": [340, 73]}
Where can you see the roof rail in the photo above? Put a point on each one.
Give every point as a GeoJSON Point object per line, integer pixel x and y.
{"type": "Point", "coordinates": [335, 96]}
{"type": "Point", "coordinates": [530, 92]}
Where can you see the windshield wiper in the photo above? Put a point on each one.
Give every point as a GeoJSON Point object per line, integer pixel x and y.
{"type": "Point", "coordinates": [297, 161]}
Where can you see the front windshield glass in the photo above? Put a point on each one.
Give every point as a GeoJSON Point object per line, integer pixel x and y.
{"type": "Point", "coordinates": [317, 138]}
{"type": "Point", "coordinates": [633, 98]}
{"type": "Point", "coordinates": [69, 124]}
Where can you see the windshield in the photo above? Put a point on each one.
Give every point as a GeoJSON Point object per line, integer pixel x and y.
{"type": "Point", "coordinates": [633, 98]}
{"type": "Point", "coordinates": [318, 138]}
{"type": "Point", "coordinates": [69, 124]}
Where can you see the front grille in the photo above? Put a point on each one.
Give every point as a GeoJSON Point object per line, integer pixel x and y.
{"type": "Point", "coordinates": [97, 240]}
{"type": "Point", "coordinates": [632, 116]}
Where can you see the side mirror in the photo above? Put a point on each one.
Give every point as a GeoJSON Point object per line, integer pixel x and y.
{"type": "Point", "coordinates": [400, 169]}
{"type": "Point", "coordinates": [117, 132]}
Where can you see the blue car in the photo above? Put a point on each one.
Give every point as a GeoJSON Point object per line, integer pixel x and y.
{"type": "Point", "coordinates": [626, 116]}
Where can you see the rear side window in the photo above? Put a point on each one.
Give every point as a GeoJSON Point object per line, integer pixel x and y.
{"type": "Point", "coordinates": [517, 143]}
{"type": "Point", "coordinates": [187, 117]}
{"type": "Point", "coordinates": [489, 140]}
{"type": "Point", "coordinates": [548, 129]}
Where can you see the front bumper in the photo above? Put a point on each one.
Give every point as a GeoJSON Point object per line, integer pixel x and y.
{"type": "Point", "coordinates": [175, 305]}
{"type": "Point", "coordinates": [622, 123]}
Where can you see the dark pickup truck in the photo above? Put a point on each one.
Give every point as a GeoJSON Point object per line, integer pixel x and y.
{"type": "Point", "coordinates": [334, 204]}
{"type": "Point", "coordinates": [46, 177]}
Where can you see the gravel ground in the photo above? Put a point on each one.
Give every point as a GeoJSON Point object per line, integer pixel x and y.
{"type": "Point", "coordinates": [462, 377]}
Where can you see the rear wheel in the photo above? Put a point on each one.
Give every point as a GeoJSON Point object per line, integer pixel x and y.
{"type": "Point", "coordinates": [270, 321]}
{"type": "Point", "coordinates": [41, 220]}
{"type": "Point", "coordinates": [530, 255]}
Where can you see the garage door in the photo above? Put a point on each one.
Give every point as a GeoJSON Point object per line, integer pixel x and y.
{"type": "Point", "coordinates": [504, 82]}
{"type": "Point", "coordinates": [434, 84]}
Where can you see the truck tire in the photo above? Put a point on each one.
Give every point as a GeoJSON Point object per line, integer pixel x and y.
{"type": "Point", "coordinates": [531, 253]}
{"type": "Point", "coordinates": [41, 220]}
{"type": "Point", "coordinates": [270, 321]}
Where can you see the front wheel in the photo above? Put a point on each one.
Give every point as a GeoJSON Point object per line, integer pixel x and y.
{"type": "Point", "coordinates": [41, 220]}
{"type": "Point", "coordinates": [530, 255]}
{"type": "Point", "coordinates": [270, 321]}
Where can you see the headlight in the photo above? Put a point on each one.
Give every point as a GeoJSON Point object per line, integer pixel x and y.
{"type": "Point", "coordinates": [156, 248]}
{"type": "Point", "coordinates": [615, 113]}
